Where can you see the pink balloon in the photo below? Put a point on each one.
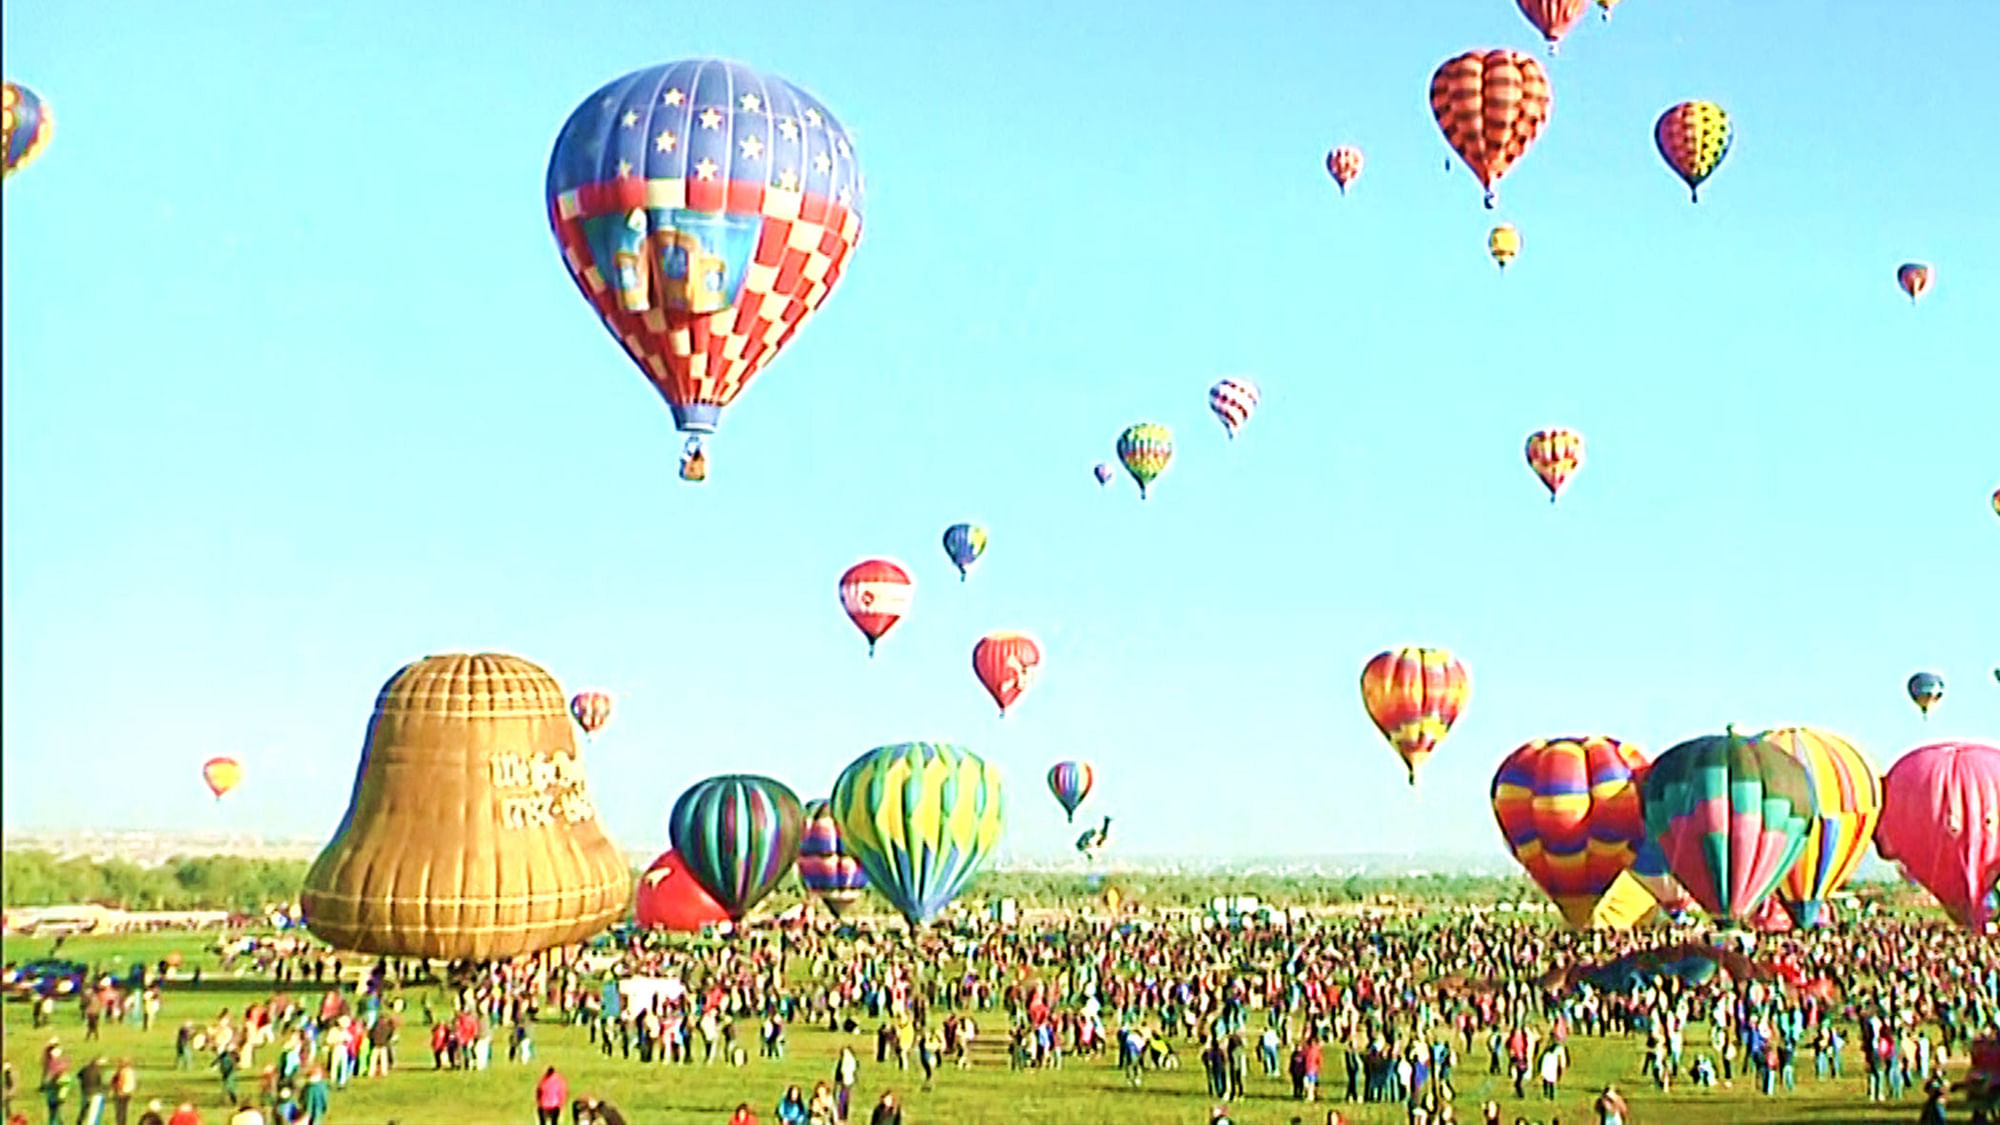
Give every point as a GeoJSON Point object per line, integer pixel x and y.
{"type": "Point", "coordinates": [1941, 824]}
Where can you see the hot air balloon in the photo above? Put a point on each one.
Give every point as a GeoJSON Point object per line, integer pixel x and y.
{"type": "Point", "coordinates": [1693, 138]}
{"type": "Point", "coordinates": [739, 835]}
{"type": "Point", "coordinates": [705, 210]}
{"type": "Point", "coordinates": [221, 775]}
{"type": "Point", "coordinates": [1071, 782]}
{"type": "Point", "coordinates": [1731, 815]}
{"type": "Point", "coordinates": [1146, 448]}
{"type": "Point", "coordinates": [1555, 455]}
{"type": "Point", "coordinates": [1344, 165]}
{"type": "Point", "coordinates": [876, 594]}
{"type": "Point", "coordinates": [1941, 824]}
{"type": "Point", "coordinates": [471, 834]}
{"type": "Point", "coordinates": [1414, 695]}
{"type": "Point", "coordinates": [1007, 664]}
{"type": "Point", "coordinates": [826, 866]}
{"type": "Point", "coordinates": [922, 817]}
{"type": "Point", "coordinates": [1103, 472]}
{"type": "Point", "coordinates": [25, 126]}
{"type": "Point", "coordinates": [668, 898]}
{"type": "Point", "coordinates": [1553, 18]}
{"type": "Point", "coordinates": [1847, 799]}
{"type": "Point", "coordinates": [1491, 106]}
{"type": "Point", "coordinates": [1926, 688]}
{"type": "Point", "coordinates": [964, 542]}
{"type": "Point", "coordinates": [1649, 867]}
{"type": "Point", "coordinates": [1233, 401]}
{"type": "Point", "coordinates": [1915, 279]}
{"type": "Point", "coordinates": [1569, 808]}
{"type": "Point", "coordinates": [591, 710]}
{"type": "Point", "coordinates": [1504, 244]}
{"type": "Point", "coordinates": [1604, 8]}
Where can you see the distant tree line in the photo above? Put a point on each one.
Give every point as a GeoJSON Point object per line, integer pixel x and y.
{"type": "Point", "coordinates": [209, 882]}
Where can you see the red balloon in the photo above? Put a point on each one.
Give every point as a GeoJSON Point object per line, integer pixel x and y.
{"type": "Point", "coordinates": [670, 899]}
{"type": "Point", "coordinates": [1006, 664]}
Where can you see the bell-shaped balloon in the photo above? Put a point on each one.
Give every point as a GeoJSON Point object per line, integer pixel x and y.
{"type": "Point", "coordinates": [1414, 695]}
{"type": "Point", "coordinates": [1071, 783]}
{"type": "Point", "coordinates": [669, 898]}
{"type": "Point", "coordinates": [1693, 138]}
{"type": "Point", "coordinates": [25, 126]}
{"type": "Point", "coordinates": [1007, 664]}
{"type": "Point", "coordinates": [221, 775]}
{"type": "Point", "coordinates": [964, 543]}
{"type": "Point", "coordinates": [826, 866]}
{"type": "Point", "coordinates": [1146, 449]}
{"type": "Point", "coordinates": [1847, 800]}
{"type": "Point", "coordinates": [1941, 824]}
{"type": "Point", "coordinates": [705, 210]}
{"type": "Point", "coordinates": [470, 834]}
{"type": "Point", "coordinates": [1569, 808]}
{"type": "Point", "coordinates": [739, 835]}
{"type": "Point", "coordinates": [922, 818]}
{"type": "Point", "coordinates": [876, 593]}
{"type": "Point", "coordinates": [1731, 815]}
{"type": "Point", "coordinates": [1491, 105]}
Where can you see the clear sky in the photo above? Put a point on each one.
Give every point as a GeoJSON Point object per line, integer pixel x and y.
{"type": "Point", "coordinates": [297, 390]}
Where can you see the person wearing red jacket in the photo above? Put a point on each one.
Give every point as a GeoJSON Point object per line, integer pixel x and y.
{"type": "Point", "coordinates": [550, 1095]}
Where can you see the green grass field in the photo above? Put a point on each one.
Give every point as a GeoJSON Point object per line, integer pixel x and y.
{"type": "Point", "coordinates": [1083, 1092]}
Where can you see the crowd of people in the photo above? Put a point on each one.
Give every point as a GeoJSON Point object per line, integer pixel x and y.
{"type": "Point", "coordinates": [1336, 1012]}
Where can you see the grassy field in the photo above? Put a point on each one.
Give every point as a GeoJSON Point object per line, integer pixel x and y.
{"type": "Point", "coordinates": [1084, 1092]}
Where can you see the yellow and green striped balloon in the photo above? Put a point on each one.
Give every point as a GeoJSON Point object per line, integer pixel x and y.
{"type": "Point", "coordinates": [1146, 448]}
{"type": "Point", "coordinates": [923, 818]}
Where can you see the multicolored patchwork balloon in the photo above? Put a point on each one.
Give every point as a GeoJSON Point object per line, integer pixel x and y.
{"type": "Point", "coordinates": [1693, 138]}
{"type": "Point", "coordinates": [1569, 808]}
{"type": "Point", "coordinates": [1146, 448]}
{"type": "Point", "coordinates": [1071, 783]}
{"type": "Point", "coordinates": [1731, 816]}
{"type": "Point", "coordinates": [706, 211]}
{"type": "Point", "coordinates": [1491, 106]}
{"type": "Point", "coordinates": [25, 126]}
{"type": "Point", "coordinates": [1555, 455]}
{"type": "Point", "coordinates": [739, 835]}
{"type": "Point", "coordinates": [1941, 825]}
{"type": "Point", "coordinates": [923, 818]}
{"type": "Point", "coordinates": [1233, 401]}
{"type": "Point", "coordinates": [1847, 800]}
{"type": "Point", "coordinates": [1414, 695]}
{"type": "Point", "coordinates": [826, 866]}
{"type": "Point", "coordinates": [964, 543]}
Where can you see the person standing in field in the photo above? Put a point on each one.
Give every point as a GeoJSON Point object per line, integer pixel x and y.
{"type": "Point", "coordinates": [1611, 1109]}
{"type": "Point", "coordinates": [124, 1084]}
{"type": "Point", "coordinates": [550, 1094]}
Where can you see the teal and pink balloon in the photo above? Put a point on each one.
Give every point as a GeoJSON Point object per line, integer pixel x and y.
{"type": "Point", "coordinates": [739, 835]}
{"type": "Point", "coordinates": [826, 867]}
{"type": "Point", "coordinates": [1926, 688]}
{"type": "Point", "coordinates": [25, 126]}
{"type": "Point", "coordinates": [1731, 815]}
{"type": "Point", "coordinates": [923, 818]}
{"type": "Point", "coordinates": [964, 543]}
{"type": "Point", "coordinates": [1941, 825]}
{"type": "Point", "coordinates": [1071, 782]}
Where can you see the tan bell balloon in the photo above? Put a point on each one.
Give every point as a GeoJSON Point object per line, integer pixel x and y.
{"type": "Point", "coordinates": [470, 833]}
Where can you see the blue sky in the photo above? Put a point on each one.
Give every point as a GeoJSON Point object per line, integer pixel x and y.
{"type": "Point", "coordinates": [296, 390]}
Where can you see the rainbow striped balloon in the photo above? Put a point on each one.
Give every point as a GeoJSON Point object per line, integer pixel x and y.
{"type": "Point", "coordinates": [1569, 808]}
{"type": "Point", "coordinates": [1847, 801]}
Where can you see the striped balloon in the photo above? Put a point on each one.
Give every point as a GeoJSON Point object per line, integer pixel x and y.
{"type": "Point", "coordinates": [1649, 866]}
{"type": "Point", "coordinates": [923, 818]}
{"type": "Point", "coordinates": [1414, 695]}
{"type": "Point", "coordinates": [1233, 401]}
{"type": "Point", "coordinates": [1553, 18]}
{"type": "Point", "coordinates": [826, 867]}
{"type": "Point", "coordinates": [591, 710]}
{"type": "Point", "coordinates": [1847, 800]}
{"type": "Point", "coordinates": [876, 593]}
{"type": "Point", "coordinates": [25, 126]}
{"type": "Point", "coordinates": [1569, 808]}
{"type": "Point", "coordinates": [1491, 105]}
{"type": "Point", "coordinates": [1731, 815]}
{"type": "Point", "coordinates": [1555, 455]}
{"type": "Point", "coordinates": [1693, 138]}
{"type": "Point", "coordinates": [739, 835]}
{"type": "Point", "coordinates": [1071, 783]}
{"type": "Point", "coordinates": [1146, 448]}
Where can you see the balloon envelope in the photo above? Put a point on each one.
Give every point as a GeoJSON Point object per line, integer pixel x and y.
{"type": "Point", "coordinates": [1414, 695]}
{"type": "Point", "coordinates": [25, 126]}
{"type": "Point", "coordinates": [1731, 815]}
{"type": "Point", "coordinates": [1491, 105]}
{"type": "Point", "coordinates": [739, 835]}
{"type": "Point", "coordinates": [1847, 800]}
{"type": "Point", "coordinates": [1914, 278]}
{"type": "Point", "coordinates": [1569, 809]}
{"type": "Point", "coordinates": [1926, 688]}
{"type": "Point", "coordinates": [669, 898]}
{"type": "Point", "coordinates": [1555, 455]}
{"type": "Point", "coordinates": [1071, 783]}
{"type": "Point", "coordinates": [1233, 401]}
{"type": "Point", "coordinates": [922, 818]}
{"type": "Point", "coordinates": [1941, 823]}
{"type": "Point", "coordinates": [964, 543]}
{"type": "Point", "coordinates": [1693, 137]}
{"type": "Point", "coordinates": [1007, 665]}
{"type": "Point", "coordinates": [876, 593]}
{"type": "Point", "coordinates": [591, 710]}
{"type": "Point", "coordinates": [826, 866]}
{"type": "Point", "coordinates": [1146, 449]}
{"type": "Point", "coordinates": [221, 775]}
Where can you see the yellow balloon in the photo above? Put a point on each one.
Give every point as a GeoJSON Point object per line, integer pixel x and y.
{"type": "Point", "coordinates": [1504, 243]}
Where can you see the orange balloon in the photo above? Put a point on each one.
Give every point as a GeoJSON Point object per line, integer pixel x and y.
{"type": "Point", "coordinates": [1491, 105]}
